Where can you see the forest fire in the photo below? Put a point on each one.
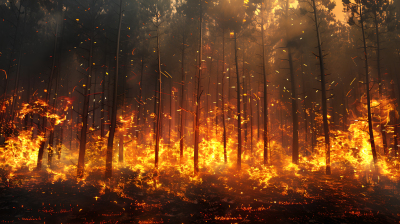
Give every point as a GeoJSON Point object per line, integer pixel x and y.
{"type": "Point", "coordinates": [220, 111]}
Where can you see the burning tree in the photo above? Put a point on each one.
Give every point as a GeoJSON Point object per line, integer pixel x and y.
{"type": "Point", "coordinates": [321, 57]}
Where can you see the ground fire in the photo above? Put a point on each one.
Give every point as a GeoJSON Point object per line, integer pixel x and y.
{"type": "Point", "coordinates": [219, 111]}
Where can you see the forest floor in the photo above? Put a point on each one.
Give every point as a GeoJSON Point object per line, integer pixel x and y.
{"type": "Point", "coordinates": [305, 198]}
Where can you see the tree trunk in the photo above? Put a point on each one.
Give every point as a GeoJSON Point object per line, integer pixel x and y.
{"type": "Point", "coordinates": [223, 96]}
{"type": "Point", "coordinates": [4, 112]}
{"type": "Point", "coordinates": [140, 99]}
{"type": "Point", "coordinates": [305, 108]}
{"type": "Point", "coordinates": [60, 143]}
{"type": "Point", "coordinates": [77, 131]}
{"type": "Point", "coordinates": [395, 128]}
{"type": "Point", "coordinates": [82, 144]}
{"type": "Point", "coordinates": [181, 134]}
{"type": "Point", "coordinates": [171, 98]}
{"type": "Point", "coordinates": [265, 89]}
{"type": "Point", "coordinates": [239, 112]}
{"type": "Point", "coordinates": [251, 117]}
{"type": "Point", "coordinates": [14, 102]}
{"type": "Point", "coordinates": [44, 120]}
{"type": "Point", "coordinates": [52, 130]}
{"type": "Point", "coordinates": [323, 90]}
{"type": "Point", "coordinates": [244, 97]}
{"type": "Point", "coordinates": [258, 119]}
{"type": "Point", "coordinates": [198, 98]}
{"type": "Point", "coordinates": [313, 129]}
{"type": "Point", "coordinates": [295, 146]}
{"type": "Point", "coordinates": [28, 116]}
{"type": "Point", "coordinates": [110, 144]}
{"type": "Point", "coordinates": [216, 98]}
{"type": "Point", "coordinates": [121, 129]}
{"type": "Point", "coordinates": [60, 135]}
{"type": "Point", "coordinates": [121, 146]}
{"type": "Point", "coordinates": [94, 103]}
{"type": "Point", "coordinates": [103, 100]}
{"type": "Point", "coordinates": [370, 127]}
{"type": "Point", "coordinates": [159, 113]}
{"type": "Point", "coordinates": [378, 51]}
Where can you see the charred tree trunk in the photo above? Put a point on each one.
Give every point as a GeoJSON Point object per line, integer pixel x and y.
{"type": "Point", "coordinates": [82, 144]}
{"type": "Point", "coordinates": [305, 108]}
{"type": "Point", "coordinates": [44, 120]}
{"type": "Point", "coordinates": [323, 90]}
{"type": "Point", "coordinates": [171, 98]}
{"type": "Point", "coordinates": [121, 146]}
{"type": "Point", "coordinates": [378, 51]}
{"type": "Point", "coordinates": [28, 99]}
{"type": "Point", "coordinates": [121, 128]}
{"type": "Point", "coordinates": [113, 126]}
{"type": "Point", "coordinates": [52, 130]}
{"type": "Point", "coordinates": [14, 101]}
{"type": "Point", "coordinates": [313, 129]}
{"type": "Point", "coordinates": [295, 145]}
{"type": "Point", "coordinates": [60, 143]}
{"type": "Point", "coordinates": [223, 96]}
{"type": "Point", "coordinates": [181, 131]}
{"type": "Point", "coordinates": [198, 98]}
{"type": "Point", "coordinates": [251, 117]}
{"type": "Point", "coordinates": [140, 101]}
{"type": "Point", "coordinates": [94, 103]}
{"type": "Point", "coordinates": [103, 100]}
{"type": "Point", "coordinates": [159, 113]}
{"type": "Point", "coordinates": [395, 128]}
{"type": "Point", "coordinates": [216, 98]}
{"type": "Point", "coordinates": [265, 89]}
{"type": "Point", "coordinates": [60, 135]}
{"type": "Point", "coordinates": [370, 127]}
{"type": "Point", "coordinates": [258, 118]}
{"type": "Point", "coordinates": [239, 112]}
{"type": "Point", "coordinates": [244, 97]}
{"type": "Point", "coordinates": [3, 117]}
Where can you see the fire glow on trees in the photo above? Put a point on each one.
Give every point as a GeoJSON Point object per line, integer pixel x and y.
{"type": "Point", "coordinates": [223, 105]}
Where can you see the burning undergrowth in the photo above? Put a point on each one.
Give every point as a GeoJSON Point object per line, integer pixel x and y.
{"type": "Point", "coordinates": [140, 193]}
{"type": "Point", "coordinates": [295, 195]}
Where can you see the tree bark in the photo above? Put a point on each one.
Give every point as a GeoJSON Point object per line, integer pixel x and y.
{"type": "Point", "coordinates": [239, 112]}
{"type": "Point", "coordinates": [378, 51]}
{"type": "Point", "coordinates": [370, 127]}
{"type": "Point", "coordinates": [44, 120]}
{"type": "Point", "coordinates": [159, 113]}
{"type": "Point", "coordinates": [121, 129]}
{"type": "Point", "coordinates": [60, 143]}
{"type": "Point", "coordinates": [265, 89]}
{"type": "Point", "coordinates": [82, 144]}
{"type": "Point", "coordinates": [140, 99]}
{"type": "Point", "coordinates": [305, 108]}
{"type": "Point", "coordinates": [395, 128]}
{"type": "Point", "coordinates": [103, 96]}
{"type": "Point", "coordinates": [323, 90]}
{"type": "Point", "coordinates": [295, 145]}
{"type": "Point", "coordinates": [3, 117]}
{"type": "Point", "coordinates": [52, 130]}
{"type": "Point", "coordinates": [110, 143]}
{"type": "Point", "coordinates": [198, 98]}
{"type": "Point", "coordinates": [223, 96]}
{"type": "Point", "coordinates": [181, 131]}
